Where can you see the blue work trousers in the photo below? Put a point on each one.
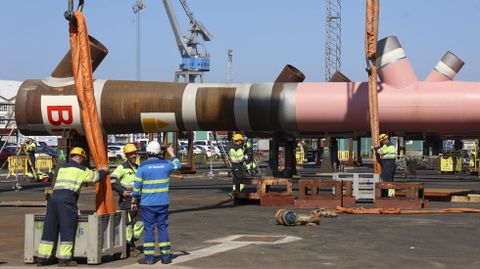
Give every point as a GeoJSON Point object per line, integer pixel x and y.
{"type": "Point", "coordinates": [61, 217]}
{"type": "Point", "coordinates": [155, 215]}
{"type": "Point", "coordinates": [388, 169]}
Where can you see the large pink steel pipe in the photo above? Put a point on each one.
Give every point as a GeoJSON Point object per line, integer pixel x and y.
{"type": "Point", "coordinates": [426, 108]}
{"type": "Point", "coordinates": [422, 107]}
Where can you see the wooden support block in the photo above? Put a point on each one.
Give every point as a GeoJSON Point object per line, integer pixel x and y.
{"type": "Point", "coordinates": [249, 183]}
{"type": "Point", "coordinates": [310, 195]}
{"type": "Point", "coordinates": [348, 201]}
{"type": "Point", "coordinates": [406, 195]}
{"type": "Point", "coordinates": [267, 183]}
{"type": "Point", "coordinates": [474, 198]}
{"type": "Point", "coordinates": [310, 189]}
{"type": "Point", "coordinates": [459, 199]}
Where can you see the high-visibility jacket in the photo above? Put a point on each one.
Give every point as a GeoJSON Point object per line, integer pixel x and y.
{"type": "Point", "coordinates": [152, 182]}
{"type": "Point", "coordinates": [124, 175]}
{"type": "Point", "coordinates": [387, 151]}
{"type": "Point", "coordinates": [31, 148]}
{"type": "Point", "coordinates": [72, 175]}
{"type": "Point", "coordinates": [236, 154]}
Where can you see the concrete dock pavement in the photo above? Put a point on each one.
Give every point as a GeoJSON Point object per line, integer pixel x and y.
{"type": "Point", "coordinates": [208, 231]}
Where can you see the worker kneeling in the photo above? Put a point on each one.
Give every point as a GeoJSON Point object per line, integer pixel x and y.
{"type": "Point", "coordinates": [62, 208]}
{"type": "Point", "coordinates": [150, 190]}
{"type": "Point", "coordinates": [122, 182]}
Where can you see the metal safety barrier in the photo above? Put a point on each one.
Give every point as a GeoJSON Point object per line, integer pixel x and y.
{"type": "Point", "coordinates": [44, 164]}
{"type": "Point", "coordinates": [343, 155]}
{"type": "Point", "coordinates": [19, 165]}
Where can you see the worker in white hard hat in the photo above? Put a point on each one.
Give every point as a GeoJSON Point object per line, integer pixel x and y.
{"type": "Point", "coordinates": [150, 192]}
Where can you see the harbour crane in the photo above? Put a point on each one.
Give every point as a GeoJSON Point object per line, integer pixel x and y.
{"type": "Point", "coordinates": [195, 60]}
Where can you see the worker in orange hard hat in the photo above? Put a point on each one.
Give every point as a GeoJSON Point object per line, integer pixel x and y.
{"type": "Point", "coordinates": [62, 208]}
{"type": "Point", "coordinates": [122, 180]}
{"type": "Point", "coordinates": [236, 154]}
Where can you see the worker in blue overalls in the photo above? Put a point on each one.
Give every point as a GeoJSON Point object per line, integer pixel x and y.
{"type": "Point", "coordinates": [150, 190]}
{"type": "Point", "coordinates": [62, 208]}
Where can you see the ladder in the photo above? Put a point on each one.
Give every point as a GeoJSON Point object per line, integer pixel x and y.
{"type": "Point", "coordinates": [224, 154]}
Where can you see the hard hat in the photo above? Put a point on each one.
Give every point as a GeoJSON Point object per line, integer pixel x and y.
{"type": "Point", "coordinates": [383, 137]}
{"type": "Point", "coordinates": [237, 137]}
{"type": "Point", "coordinates": [129, 148]}
{"type": "Point", "coordinates": [153, 147]}
{"type": "Point", "coordinates": [78, 151]}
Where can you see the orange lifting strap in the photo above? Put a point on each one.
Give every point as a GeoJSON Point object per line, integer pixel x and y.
{"type": "Point", "coordinates": [82, 72]}
{"type": "Point", "coordinates": [371, 36]}
{"type": "Point", "coordinates": [340, 209]}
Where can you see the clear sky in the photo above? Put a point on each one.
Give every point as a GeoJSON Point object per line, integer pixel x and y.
{"type": "Point", "coordinates": [264, 35]}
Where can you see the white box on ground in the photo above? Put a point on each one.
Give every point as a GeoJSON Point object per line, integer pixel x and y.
{"type": "Point", "coordinates": [363, 184]}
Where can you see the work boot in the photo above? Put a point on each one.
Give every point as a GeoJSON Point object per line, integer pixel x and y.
{"type": "Point", "coordinates": [134, 252]}
{"type": "Point", "coordinates": [66, 263]}
{"type": "Point", "coordinates": [167, 260]}
{"type": "Point", "coordinates": [143, 261]}
{"type": "Point", "coordinates": [44, 262]}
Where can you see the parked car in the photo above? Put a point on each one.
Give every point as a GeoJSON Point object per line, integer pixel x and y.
{"type": "Point", "coordinates": [202, 143]}
{"type": "Point", "coordinates": [115, 152]}
{"type": "Point", "coordinates": [182, 150]}
{"type": "Point", "coordinates": [7, 152]}
{"type": "Point", "coordinates": [197, 150]}
{"type": "Point", "coordinates": [208, 150]}
{"type": "Point", "coordinates": [44, 150]}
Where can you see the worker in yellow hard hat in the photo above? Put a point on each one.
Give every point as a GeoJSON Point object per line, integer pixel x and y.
{"type": "Point", "coordinates": [122, 180]}
{"type": "Point", "coordinates": [388, 154]}
{"type": "Point", "coordinates": [236, 154]}
{"type": "Point", "coordinates": [62, 208]}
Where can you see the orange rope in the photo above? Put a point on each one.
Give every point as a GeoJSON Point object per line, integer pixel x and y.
{"type": "Point", "coordinates": [82, 71]}
{"type": "Point", "coordinates": [357, 210]}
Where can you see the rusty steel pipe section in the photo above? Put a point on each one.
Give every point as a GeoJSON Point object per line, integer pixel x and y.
{"type": "Point", "coordinates": [446, 69]}
{"type": "Point", "coordinates": [97, 51]}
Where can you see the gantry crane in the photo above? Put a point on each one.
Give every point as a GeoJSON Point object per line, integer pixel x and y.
{"type": "Point", "coordinates": [195, 61]}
